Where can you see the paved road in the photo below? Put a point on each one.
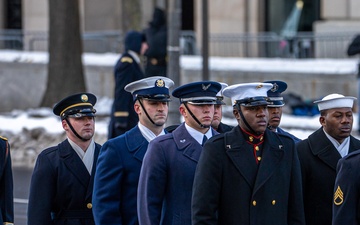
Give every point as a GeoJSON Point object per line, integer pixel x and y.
{"type": "Point", "coordinates": [22, 177]}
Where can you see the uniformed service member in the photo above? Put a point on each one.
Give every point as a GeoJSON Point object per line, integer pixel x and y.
{"type": "Point", "coordinates": [127, 70]}
{"type": "Point", "coordinates": [216, 123]}
{"type": "Point", "coordinates": [249, 175]}
{"type": "Point", "coordinates": [346, 208]}
{"type": "Point", "coordinates": [276, 103]}
{"type": "Point", "coordinates": [62, 181]}
{"type": "Point", "coordinates": [320, 153]}
{"type": "Point", "coordinates": [6, 184]}
{"type": "Point", "coordinates": [166, 177]}
{"type": "Point", "coordinates": [120, 159]}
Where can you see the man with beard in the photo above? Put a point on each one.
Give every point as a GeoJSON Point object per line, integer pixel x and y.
{"type": "Point", "coordinates": [249, 175]}
{"type": "Point", "coordinates": [120, 159]}
{"type": "Point", "coordinates": [166, 178]}
{"type": "Point", "coordinates": [62, 181]}
{"type": "Point", "coordinates": [275, 107]}
{"type": "Point", "coordinates": [320, 153]}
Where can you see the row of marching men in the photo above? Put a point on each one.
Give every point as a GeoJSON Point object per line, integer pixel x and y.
{"type": "Point", "coordinates": [253, 173]}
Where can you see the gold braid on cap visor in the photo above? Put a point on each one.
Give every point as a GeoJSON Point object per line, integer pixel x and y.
{"type": "Point", "coordinates": [75, 105]}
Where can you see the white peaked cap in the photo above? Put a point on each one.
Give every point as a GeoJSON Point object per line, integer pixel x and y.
{"type": "Point", "coordinates": [223, 86]}
{"type": "Point", "coordinates": [246, 90]}
{"type": "Point", "coordinates": [335, 101]}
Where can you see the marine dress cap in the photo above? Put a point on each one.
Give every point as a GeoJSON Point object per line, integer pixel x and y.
{"type": "Point", "coordinates": [219, 95]}
{"type": "Point", "coordinates": [335, 101]}
{"type": "Point", "coordinates": [77, 105]}
{"type": "Point", "coordinates": [274, 94]}
{"type": "Point", "coordinates": [198, 93]}
{"type": "Point", "coordinates": [248, 94]}
{"type": "Point", "coordinates": [152, 88]}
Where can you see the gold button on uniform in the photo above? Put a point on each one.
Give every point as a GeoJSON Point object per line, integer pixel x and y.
{"type": "Point", "coordinates": [89, 206]}
{"type": "Point", "coordinates": [259, 158]}
{"type": "Point", "coordinates": [254, 203]}
{"type": "Point", "coordinates": [273, 202]}
{"type": "Point", "coordinates": [257, 148]}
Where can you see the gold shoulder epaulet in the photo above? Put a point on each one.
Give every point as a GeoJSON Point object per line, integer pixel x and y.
{"type": "Point", "coordinates": [126, 59]}
{"type": "Point", "coordinates": [4, 138]}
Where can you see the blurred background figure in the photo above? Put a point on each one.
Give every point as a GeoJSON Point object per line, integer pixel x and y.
{"type": "Point", "coordinates": [156, 37]}
{"type": "Point", "coordinates": [127, 70]}
{"type": "Point", "coordinates": [275, 107]}
{"type": "Point", "coordinates": [216, 123]}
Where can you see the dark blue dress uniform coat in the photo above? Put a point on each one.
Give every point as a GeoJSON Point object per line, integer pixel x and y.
{"type": "Point", "coordinates": [281, 131]}
{"type": "Point", "coordinates": [224, 128]}
{"type": "Point", "coordinates": [318, 160]}
{"type": "Point", "coordinates": [123, 115]}
{"type": "Point", "coordinates": [346, 202]}
{"type": "Point", "coordinates": [166, 179]}
{"type": "Point", "coordinates": [116, 179]}
{"type": "Point", "coordinates": [61, 188]}
{"type": "Point", "coordinates": [6, 184]}
{"type": "Point", "coordinates": [231, 189]}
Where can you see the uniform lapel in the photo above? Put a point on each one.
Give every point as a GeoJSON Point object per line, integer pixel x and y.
{"type": "Point", "coordinates": [74, 163]}
{"type": "Point", "coordinates": [136, 143]}
{"type": "Point", "coordinates": [322, 147]}
{"type": "Point", "coordinates": [186, 143]}
{"type": "Point", "coordinates": [272, 155]}
{"type": "Point", "coordinates": [241, 155]}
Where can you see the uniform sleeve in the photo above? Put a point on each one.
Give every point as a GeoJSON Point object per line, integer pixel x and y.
{"type": "Point", "coordinates": [206, 187]}
{"type": "Point", "coordinates": [346, 194]}
{"type": "Point", "coordinates": [152, 184]}
{"type": "Point", "coordinates": [42, 192]}
{"type": "Point", "coordinates": [107, 186]}
{"type": "Point", "coordinates": [6, 193]}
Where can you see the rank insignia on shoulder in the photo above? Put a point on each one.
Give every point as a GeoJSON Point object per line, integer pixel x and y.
{"type": "Point", "coordinates": [4, 138]}
{"type": "Point", "coordinates": [338, 196]}
{"type": "Point", "coordinates": [126, 59]}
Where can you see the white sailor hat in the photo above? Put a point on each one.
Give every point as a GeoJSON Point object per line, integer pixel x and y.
{"type": "Point", "coordinates": [335, 101]}
{"type": "Point", "coordinates": [220, 96]}
{"type": "Point", "coordinates": [248, 94]}
{"type": "Point", "coordinates": [154, 88]}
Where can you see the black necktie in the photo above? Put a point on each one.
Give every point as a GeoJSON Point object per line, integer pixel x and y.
{"type": "Point", "coordinates": [204, 140]}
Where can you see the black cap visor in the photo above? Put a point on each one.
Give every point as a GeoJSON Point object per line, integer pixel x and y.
{"type": "Point", "coordinates": [254, 101]}
{"type": "Point", "coordinates": [77, 113]}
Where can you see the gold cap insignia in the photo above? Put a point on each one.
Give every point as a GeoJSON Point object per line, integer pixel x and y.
{"type": "Point", "coordinates": [84, 98]}
{"type": "Point", "coordinates": [275, 87]}
{"type": "Point", "coordinates": [160, 83]}
{"type": "Point", "coordinates": [259, 86]}
{"type": "Point", "coordinates": [338, 196]}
